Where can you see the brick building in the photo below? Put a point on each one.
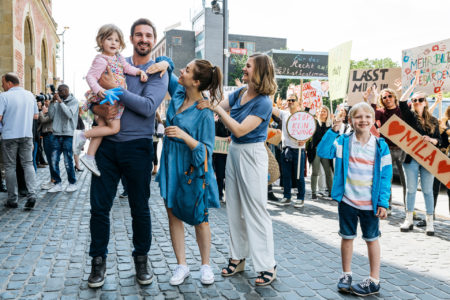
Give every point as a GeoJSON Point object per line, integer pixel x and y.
{"type": "Point", "coordinates": [28, 41]}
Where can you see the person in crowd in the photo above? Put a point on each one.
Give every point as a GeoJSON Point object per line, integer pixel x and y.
{"type": "Point", "coordinates": [63, 111]}
{"type": "Point", "coordinates": [110, 42]}
{"type": "Point", "coordinates": [290, 156]}
{"type": "Point", "coordinates": [129, 154]}
{"type": "Point", "coordinates": [78, 147]}
{"type": "Point", "coordinates": [190, 138]}
{"type": "Point", "coordinates": [159, 133]}
{"type": "Point", "coordinates": [420, 119]}
{"type": "Point", "coordinates": [323, 123]}
{"type": "Point", "coordinates": [247, 169]}
{"type": "Point", "coordinates": [361, 185]}
{"type": "Point", "coordinates": [47, 139]}
{"type": "Point", "coordinates": [18, 109]}
{"type": "Point", "coordinates": [277, 150]}
{"type": "Point", "coordinates": [389, 106]}
{"type": "Point", "coordinates": [220, 159]}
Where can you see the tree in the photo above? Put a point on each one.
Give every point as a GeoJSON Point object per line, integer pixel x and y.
{"type": "Point", "coordinates": [283, 85]}
{"type": "Point", "coordinates": [377, 63]}
{"type": "Point", "coordinates": [237, 62]}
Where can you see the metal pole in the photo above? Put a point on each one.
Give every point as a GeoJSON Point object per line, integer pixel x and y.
{"type": "Point", "coordinates": [63, 56]}
{"type": "Point", "coordinates": [225, 42]}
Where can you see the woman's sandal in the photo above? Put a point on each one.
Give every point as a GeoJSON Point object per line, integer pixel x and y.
{"type": "Point", "coordinates": [267, 280]}
{"type": "Point", "coordinates": [239, 267]}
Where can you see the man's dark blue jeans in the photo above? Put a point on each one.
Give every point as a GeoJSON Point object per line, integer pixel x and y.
{"type": "Point", "coordinates": [48, 140]}
{"type": "Point", "coordinates": [133, 160]}
{"type": "Point", "coordinates": [63, 144]}
{"type": "Point", "coordinates": [289, 162]}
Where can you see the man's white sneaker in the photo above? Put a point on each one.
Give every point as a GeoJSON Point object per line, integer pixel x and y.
{"type": "Point", "coordinates": [90, 164]}
{"type": "Point", "coordinates": [71, 188]}
{"type": "Point", "coordinates": [180, 273]}
{"type": "Point", "coordinates": [47, 185]}
{"type": "Point", "coordinates": [207, 274]}
{"type": "Point", "coordinates": [56, 188]}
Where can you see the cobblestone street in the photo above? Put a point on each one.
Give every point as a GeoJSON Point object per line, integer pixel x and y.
{"type": "Point", "coordinates": [44, 254]}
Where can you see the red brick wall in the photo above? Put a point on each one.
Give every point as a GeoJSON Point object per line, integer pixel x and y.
{"type": "Point", "coordinates": [19, 59]}
{"type": "Point", "coordinates": [38, 80]}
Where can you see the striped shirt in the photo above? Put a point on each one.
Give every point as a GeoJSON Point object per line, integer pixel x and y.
{"type": "Point", "coordinates": [358, 187]}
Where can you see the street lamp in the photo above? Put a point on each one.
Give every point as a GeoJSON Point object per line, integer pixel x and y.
{"type": "Point", "coordinates": [216, 10]}
{"type": "Point", "coordinates": [62, 34]}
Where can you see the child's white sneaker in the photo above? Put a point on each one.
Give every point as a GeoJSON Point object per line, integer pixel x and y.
{"type": "Point", "coordinates": [90, 164]}
{"type": "Point", "coordinates": [207, 274]}
{"type": "Point", "coordinates": [180, 273]}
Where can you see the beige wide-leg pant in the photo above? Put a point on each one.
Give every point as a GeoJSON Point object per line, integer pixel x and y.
{"type": "Point", "coordinates": [246, 195]}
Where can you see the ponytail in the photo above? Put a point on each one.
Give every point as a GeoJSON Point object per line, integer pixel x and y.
{"type": "Point", "coordinates": [210, 78]}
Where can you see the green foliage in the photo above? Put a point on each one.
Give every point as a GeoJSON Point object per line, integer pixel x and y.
{"type": "Point", "coordinates": [283, 85]}
{"type": "Point", "coordinates": [373, 63]}
{"type": "Point", "coordinates": [238, 62]}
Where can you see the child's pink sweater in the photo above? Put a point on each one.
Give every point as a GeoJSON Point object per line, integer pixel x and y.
{"type": "Point", "coordinates": [98, 67]}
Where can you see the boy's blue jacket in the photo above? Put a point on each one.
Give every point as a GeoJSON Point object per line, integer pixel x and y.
{"type": "Point", "coordinates": [336, 146]}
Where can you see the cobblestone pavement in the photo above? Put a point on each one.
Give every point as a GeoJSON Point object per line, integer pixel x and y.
{"type": "Point", "coordinates": [44, 254]}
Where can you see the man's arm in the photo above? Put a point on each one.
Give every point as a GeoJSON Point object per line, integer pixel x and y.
{"type": "Point", "coordinates": [152, 96]}
{"type": "Point", "coordinates": [69, 109]}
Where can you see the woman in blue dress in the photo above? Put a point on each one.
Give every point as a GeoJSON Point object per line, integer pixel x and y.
{"type": "Point", "coordinates": [190, 135]}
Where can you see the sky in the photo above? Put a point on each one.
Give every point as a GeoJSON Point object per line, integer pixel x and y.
{"type": "Point", "coordinates": [378, 28]}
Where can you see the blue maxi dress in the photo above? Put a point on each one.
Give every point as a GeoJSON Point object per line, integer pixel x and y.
{"type": "Point", "coordinates": [176, 156]}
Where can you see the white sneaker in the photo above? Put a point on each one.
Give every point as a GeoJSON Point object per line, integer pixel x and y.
{"type": "Point", "coordinates": [207, 274]}
{"type": "Point", "coordinates": [71, 187]}
{"type": "Point", "coordinates": [179, 274]}
{"type": "Point", "coordinates": [56, 188]}
{"type": "Point", "coordinates": [90, 164]}
{"type": "Point", "coordinates": [47, 185]}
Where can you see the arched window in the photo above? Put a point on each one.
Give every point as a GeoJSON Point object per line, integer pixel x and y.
{"type": "Point", "coordinates": [29, 55]}
{"type": "Point", "coordinates": [44, 73]}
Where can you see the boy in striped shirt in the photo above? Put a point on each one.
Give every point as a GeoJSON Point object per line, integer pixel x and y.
{"type": "Point", "coordinates": [361, 185]}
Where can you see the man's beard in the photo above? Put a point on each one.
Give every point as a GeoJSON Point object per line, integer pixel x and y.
{"type": "Point", "coordinates": [142, 53]}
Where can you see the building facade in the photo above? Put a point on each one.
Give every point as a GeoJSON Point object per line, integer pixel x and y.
{"type": "Point", "coordinates": [28, 42]}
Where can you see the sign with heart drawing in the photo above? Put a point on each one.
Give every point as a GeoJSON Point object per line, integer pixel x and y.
{"type": "Point", "coordinates": [425, 153]}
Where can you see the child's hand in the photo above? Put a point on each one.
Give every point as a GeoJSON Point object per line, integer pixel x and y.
{"type": "Point", "coordinates": [161, 66]}
{"type": "Point", "coordinates": [144, 76]}
{"type": "Point", "coordinates": [381, 213]}
{"type": "Point", "coordinates": [101, 94]}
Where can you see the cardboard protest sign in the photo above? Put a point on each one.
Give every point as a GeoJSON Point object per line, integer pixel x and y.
{"type": "Point", "coordinates": [339, 69]}
{"type": "Point", "coordinates": [273, 136]}
{"type": "Point", "coordinates": [433, 61]}
{"type": "Point", "coordinates": [311, 98]}
{"type": "Point", "coordinates": [425, 153]}
{"type": "Point", "coordinates": [361, 79]}
{"type": "Point", "coordinates": [301, 126]}
{"type": "Point", "coordinates": [221, 145]}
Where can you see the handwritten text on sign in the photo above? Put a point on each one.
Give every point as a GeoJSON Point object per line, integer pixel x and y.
{"type": "Point", "coordinates": [221, 145]}
{"type": "Point", "coordinates": [425, 153]}
{"type": "Point", "coordinates": [433, 61]}
{"type": "Point", "coordinates": [301, 126]}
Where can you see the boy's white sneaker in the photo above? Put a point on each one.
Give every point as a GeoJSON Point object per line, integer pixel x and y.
{"type": "Point", "coordinates": [47, 185]}
{"type": "Point", "coordinates": [180, 273]}
{"type": "Point", "coordinates": [207, 274]}
{"type": "Point", "coordinates": [90, 164]}
{"type": "Point", "coordinates": [71, 188]}
{"type": "Point", "coordinates": [56, 188]}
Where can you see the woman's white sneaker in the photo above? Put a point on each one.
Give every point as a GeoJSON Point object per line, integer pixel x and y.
{"type": "Point", "coordinates": [180, 273]}
{"type": "Point", "coordinates": [207, 274]}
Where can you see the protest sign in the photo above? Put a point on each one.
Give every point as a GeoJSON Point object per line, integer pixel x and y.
{"type": "Point", "coordinates": [339, 69]}
{"type": "Point", "coordinates": [301, 126]}
{"type": "Point", "coordinates": [300, 64]}
{"type": "Point", "coordinates": [221, 145]}
{"type": "Point", "coordinates": [425, 153]}
{"type": "Point", "coordinates": [311, 98]}
{"type": "Point", "coordinates": [273, 136]}
{"type": "Point", "coordinates": [361, 79]}
{"type": "Point", "coordinates": [433, 61]}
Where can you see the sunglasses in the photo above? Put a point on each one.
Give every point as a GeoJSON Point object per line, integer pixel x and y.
{"type": "Point", "coordinates": [291, 100]}
{"type": "Point", "coordinates": [418, 100]}
{"type": "Point", "coordinates": [387, 96]}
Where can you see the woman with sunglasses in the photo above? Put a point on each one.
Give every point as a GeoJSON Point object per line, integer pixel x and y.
{"type": "Point", "coordinates": [389, 106]}
{"type": "Point", "coordinates": [420, 119]}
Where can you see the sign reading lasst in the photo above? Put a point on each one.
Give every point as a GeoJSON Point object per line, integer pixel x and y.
{"type": "Point", "coordinates": [301, 126]}
{"type": "Point", "coordinates": [425, 153]}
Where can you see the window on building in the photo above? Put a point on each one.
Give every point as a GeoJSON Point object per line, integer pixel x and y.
{"type": "Point", "coordinates": [176, 40]}
{"type": "Point", "coordinates": [241, 45]}
{"type": "Point", "coordinates": [250, 47]}
{"type": "Point", "coordinates": [233, 44]}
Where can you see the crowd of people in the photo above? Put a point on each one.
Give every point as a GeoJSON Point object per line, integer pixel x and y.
{"type": "Point", "coordinates": [346, 150]}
